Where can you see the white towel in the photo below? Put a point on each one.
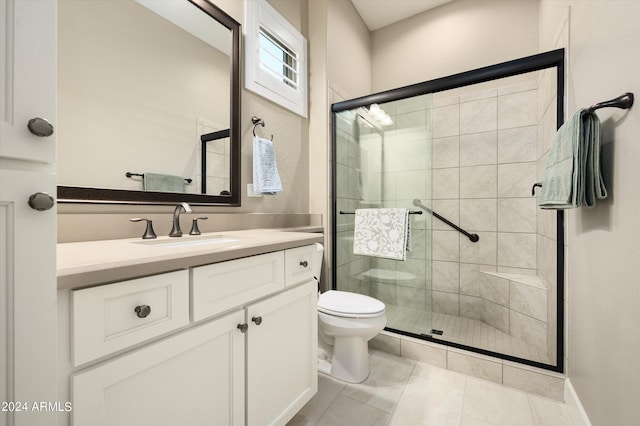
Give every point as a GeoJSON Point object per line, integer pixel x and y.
{"type": "Point", "coordinates": [382, 233]}
{"type": "Point", "coordinates": [266, 179]}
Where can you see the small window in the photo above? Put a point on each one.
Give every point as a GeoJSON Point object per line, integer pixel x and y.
{"type": "Point", "coordinates": [275, 58]}
{"type": "Point", "coordinates": [278, 59]}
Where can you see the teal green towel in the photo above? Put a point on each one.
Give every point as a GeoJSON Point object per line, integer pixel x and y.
{"type": "Point", "coordinates": [163, 183]}
{"type": "Point", "coordinates": [572, 174]}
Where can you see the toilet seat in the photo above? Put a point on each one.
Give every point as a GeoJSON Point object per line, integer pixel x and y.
{"type": "Point", "coordinates": [349, 305]}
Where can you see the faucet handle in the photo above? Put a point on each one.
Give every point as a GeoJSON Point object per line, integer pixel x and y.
{"type": "Point", "coordinates": [148, 233]}
{"type": "Point", "coordinates": [194, 227]}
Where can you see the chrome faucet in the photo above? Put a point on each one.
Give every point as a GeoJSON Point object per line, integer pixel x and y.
{"type": "Point", "coordinates": [175, 230]}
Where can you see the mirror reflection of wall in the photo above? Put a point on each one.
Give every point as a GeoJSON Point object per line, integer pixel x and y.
{"type": "Point", "coordinates": [135, 93]}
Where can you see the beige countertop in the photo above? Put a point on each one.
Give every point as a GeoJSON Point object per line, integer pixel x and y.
{"type": "Point", "coordinates": [91, 263]}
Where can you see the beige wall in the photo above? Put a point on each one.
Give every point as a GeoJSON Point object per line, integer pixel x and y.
{"type": "Point", "coordinates": [603, 246]}
{"type": "Point", "coordinates": [456, 37]}
{"type": "Point", "coordinates": [349, 46]}
{"type": "Point", "coordinates": [340, 68]}
{"type": "Point", "coordinates": [290, 140]}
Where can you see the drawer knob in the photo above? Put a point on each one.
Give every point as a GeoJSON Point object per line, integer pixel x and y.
{"type": "Point", "coordinates": [41, 201]}
{"type": "Point", "coordinates": [304, 263]}
{"type": "Point", "coordinates": [243, 327]}
{"type": "Point", "coordinates": [257, 320]}
{"type": "Point", "coordinates": [143, 311]}
{"type": "Point", "coordinates": [40, 127]}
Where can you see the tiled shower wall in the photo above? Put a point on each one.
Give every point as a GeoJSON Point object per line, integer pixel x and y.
{"type": "Point", "coordinates": [484, 164]}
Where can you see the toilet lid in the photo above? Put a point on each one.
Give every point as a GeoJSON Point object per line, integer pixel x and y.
{"type": "Point", "coordinates": [348, 304]}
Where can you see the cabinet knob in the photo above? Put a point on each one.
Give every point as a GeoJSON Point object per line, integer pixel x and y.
{"type": "Point", "coordinates": [257, 320]}
{"type": "Point", "coordinates": [243, 327]}
{"type": "Point", "coordinates": [304, 263]}
{"type": "Point", "coordinates": [143, 311]}
{"type": "Point", "coordinates": [41, 201]}
{"type": "Point", "coordinates": [40, 127]}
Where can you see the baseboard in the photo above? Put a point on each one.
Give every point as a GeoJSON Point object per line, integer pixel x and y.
{"type": "Point", "coordinates": [578, 414]}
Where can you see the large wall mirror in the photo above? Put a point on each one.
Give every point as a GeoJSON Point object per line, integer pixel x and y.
{"type": "Point", "coordinates": [148, 102]}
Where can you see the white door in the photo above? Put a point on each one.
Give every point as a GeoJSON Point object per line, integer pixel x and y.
{"type": "Point", "coordinates": [194, 378]}
{"type": "Point", "coordinates": [281, 355]}
{"type": "Point", "coordinates": [27, 236]}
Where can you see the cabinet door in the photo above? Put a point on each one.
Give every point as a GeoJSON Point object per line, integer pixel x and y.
{"type": "Point", "coordinates": [27, 236]}
{"type": "Point", "coordinates": [193, 378]}
{"type": "Point", "coordinates": [281, 355]}
{"type": "Point", "coordinates": [27, 78]}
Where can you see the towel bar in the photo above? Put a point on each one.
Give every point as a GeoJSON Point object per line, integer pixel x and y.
{"type": "Point", "coordinates": [472, 237]}
{"type": "Point", "coordinates": [410, 212]}
{"type": "Point", "coordinates": [130, 174]}
{"type": "Point", "coordinates": [623, 102]}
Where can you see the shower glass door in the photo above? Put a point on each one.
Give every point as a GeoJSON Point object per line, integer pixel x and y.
{"type": "Point", "coordinates": [382, 158]}
{"type": "Point", "coordinates": [486, 270]}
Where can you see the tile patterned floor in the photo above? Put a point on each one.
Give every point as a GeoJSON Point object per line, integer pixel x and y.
{"type": "Point", "coordinates": [403, 392]}
{"type": "Point", "coordinates": [466, 331]}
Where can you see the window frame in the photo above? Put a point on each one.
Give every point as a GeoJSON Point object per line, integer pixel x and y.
{"type": "Point", "coordinates": [262, 18]}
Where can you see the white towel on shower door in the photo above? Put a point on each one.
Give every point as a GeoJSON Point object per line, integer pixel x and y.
{"type": "Point", "coordinates": [382, 233]}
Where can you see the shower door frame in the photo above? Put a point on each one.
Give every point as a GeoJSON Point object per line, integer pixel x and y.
{"type": "Point", "coordinates": [541, 61]}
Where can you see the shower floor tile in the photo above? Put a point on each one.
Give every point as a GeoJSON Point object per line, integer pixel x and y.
{"type": "Point", "coordinates": [472, 332]}
{"type": "Point", "coordinates": [464, 331]}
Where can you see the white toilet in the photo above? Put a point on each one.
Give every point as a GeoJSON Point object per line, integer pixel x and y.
{"type": "Point", "coordinates": [346, 322]}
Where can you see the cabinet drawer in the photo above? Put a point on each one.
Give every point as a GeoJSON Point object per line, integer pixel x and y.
{"type": "Point", "coordinates": [222, 286]}
{"type": "Point", "coordinates": [299, 264]}
{"type": "Point", "coordinates": [105, 318]}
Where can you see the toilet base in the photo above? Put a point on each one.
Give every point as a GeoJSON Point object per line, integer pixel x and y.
{"type": "Point", "coordinates": [350, 360]}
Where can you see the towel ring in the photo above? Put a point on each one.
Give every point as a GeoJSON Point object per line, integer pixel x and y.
{"type": "Point", "coordinates": [258, 122]}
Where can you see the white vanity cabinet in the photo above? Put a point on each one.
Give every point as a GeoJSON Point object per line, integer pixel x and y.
{"type": "Point", "coordinates": [246, 354]}
{"type": "Point", "coordinates": [193, 378]}
{"type": "Point", "coordinates": [281, 355]}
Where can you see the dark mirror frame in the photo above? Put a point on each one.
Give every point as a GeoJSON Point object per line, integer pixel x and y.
{"type": "Point", "coordinates": [76, 194]}
{"type": "Point", "coordinates": [552, 59]}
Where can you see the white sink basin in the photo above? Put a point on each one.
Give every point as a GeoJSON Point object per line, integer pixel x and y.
{"type": "Point", "coordinates": [187, 241]}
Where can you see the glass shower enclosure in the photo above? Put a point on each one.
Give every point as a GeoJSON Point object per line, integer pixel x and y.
{"type": "Point", "coordinates": [485, 267]}
{"type": "Point", "coordinates": [383, 159]}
